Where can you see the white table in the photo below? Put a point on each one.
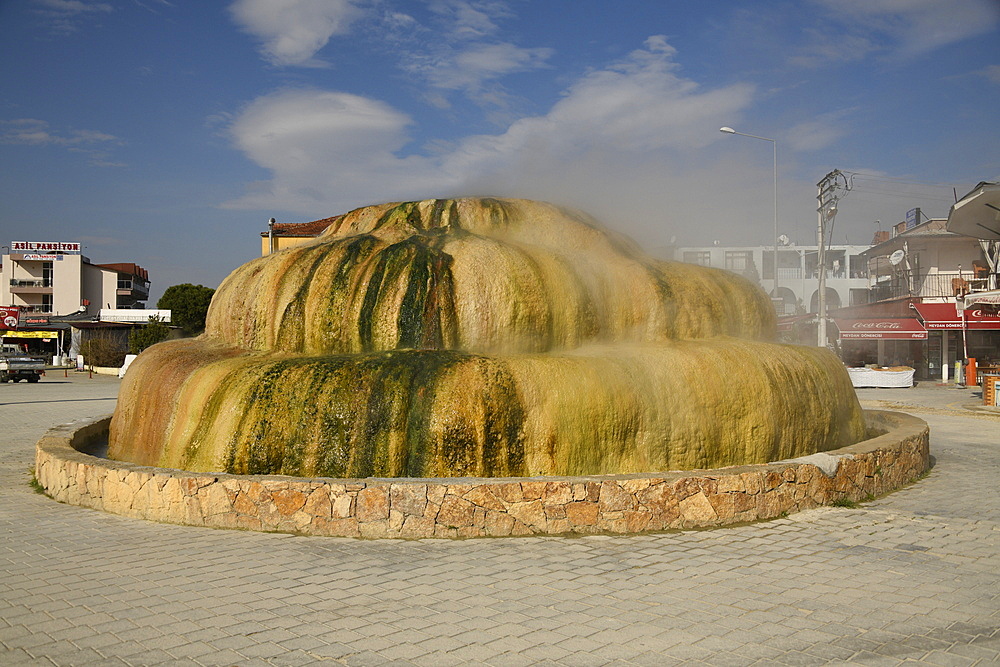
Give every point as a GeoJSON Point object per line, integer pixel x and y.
{"type": "Point", "coordinates": [866, 377]}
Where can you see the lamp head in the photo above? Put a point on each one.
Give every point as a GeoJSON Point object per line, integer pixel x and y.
{"type": "Point", "coordinates": [727, 130]}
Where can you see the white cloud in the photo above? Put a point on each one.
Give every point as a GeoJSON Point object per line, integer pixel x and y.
{"type": "Point", "coordinates": [469, 19]}
{"type": "Point", "coordinates": [63, 16]}
{"type": "Point", "coordinates": [623, 141]}
{"type": "Point", "coordinates": [899, 28]}
{"type": "Point", "coordinates": [35, 132]}
{"type": "Point", "coordinates": [293, 31]}
{"type": "Point", "coordinates": [323, 147]}
{"type": "Point", "coordinates": [818, 133]}
{"type": "Point", "coordinates": [31, 131]}
{"type": "Point", "coordinates": [468, 69]}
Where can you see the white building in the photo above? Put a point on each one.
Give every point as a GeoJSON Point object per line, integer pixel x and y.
{"type": "Point", "coordinates": [798, 279]}
{"type": "Point", "coordinates": [54, 279]}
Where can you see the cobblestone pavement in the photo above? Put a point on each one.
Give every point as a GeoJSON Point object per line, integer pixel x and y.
{"type": "Point", "coordinates": [911, 578]}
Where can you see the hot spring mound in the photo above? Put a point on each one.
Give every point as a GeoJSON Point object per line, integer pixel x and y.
{"type": "Point", "coordinates": [479, 337]}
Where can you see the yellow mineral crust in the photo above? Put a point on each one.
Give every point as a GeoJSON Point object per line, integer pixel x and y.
{"type": "Point", "coordinates": [479, 337]}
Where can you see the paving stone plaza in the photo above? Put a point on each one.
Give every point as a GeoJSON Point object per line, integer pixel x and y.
{"type": "Point", "coordinates": [911, 578]}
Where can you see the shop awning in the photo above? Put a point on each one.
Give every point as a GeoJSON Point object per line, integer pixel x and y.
{"type": "Point", "coordinates": [884, 328]}
{"type": "Point", "coordinates": [30, 334]}
{"type": "Point", "coordinates": [992, 297]}
{"type": "Point", "coordinates": [787, 323]}
{"type": "Point", "coordinates": [946, 316]}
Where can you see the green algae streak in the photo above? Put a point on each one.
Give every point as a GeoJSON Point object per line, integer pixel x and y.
{"type": "Point", "coordinates": [479, 337]}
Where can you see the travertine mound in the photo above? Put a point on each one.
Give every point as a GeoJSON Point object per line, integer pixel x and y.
{"type": "Point", "coordinates": [479, 337]}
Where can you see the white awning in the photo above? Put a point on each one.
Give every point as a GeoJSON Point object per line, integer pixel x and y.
{"type": "Point", "coordinates": [977, 214]}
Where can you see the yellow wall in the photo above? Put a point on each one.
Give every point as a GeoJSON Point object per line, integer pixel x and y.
{"type": "Point", "coordinates": [282, 242]}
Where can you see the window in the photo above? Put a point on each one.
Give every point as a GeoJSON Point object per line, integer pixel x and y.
{"type": "Point", "coordinates": [47, 274]}
{"type": "Point", "coordinates": [739, 260]}
{"type": "Point", "coordinates": [702, 257]}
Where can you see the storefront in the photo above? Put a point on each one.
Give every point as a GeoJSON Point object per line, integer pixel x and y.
{"type": "Point", "coordinates": [885, 341]}
{"type": "Point", "coordinates": [955, 334]}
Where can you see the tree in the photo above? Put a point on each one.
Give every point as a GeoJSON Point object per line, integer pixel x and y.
{"type": "Point", "coordinates": [104, 349]}
{"type": "Point", "coordinates": [188, 305]}
{"type": "Point", "coordinates": [148, 334]}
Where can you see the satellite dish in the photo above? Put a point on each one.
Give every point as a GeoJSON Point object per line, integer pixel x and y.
{"type": "Point", "coordinates": [896, 257]}
{"type": "Point", "coordinates": [783, 240]}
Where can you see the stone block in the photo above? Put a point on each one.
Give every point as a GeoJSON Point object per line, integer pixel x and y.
{"type": "Point", "coordinates": [335, 527]}
{"type": "Point", "coordinates": [214, 500]}
{"type": "Point", "coordinates": [342, 506]}
{"type": "Point", "coordinates": [636, 520]}
{"type": "Point", "coordinates": [614, 498]}
{"type": "Point", "coordinates": [772, 480]}
{"type": "Point", "coordinates": [634, 486]}
{"type": "Point", "coordinates": [558, 493]}
{"type": "Point", "coordinates": [318, 503]}
{"type": "Point", "coordinates": [288, 500]}
{"type": "Point", "coordinates": [455, 512]}
{"type": "Point", "coordinates": [697, 510]}
{"type": "Point", "coordinates": [582, 513]}
{"type": "Point", "coordinates": [372, 504]}
{"type": "Point", "coordinates": [435, 493]}
{"type": "Point", "coordinates": [554, 512]}
{"type": "Point", "coordinates": [483, 496]}
{"type": "Point", "coordinates": [530, 513]}
{"type": "Point", "coordinates": [731, 484]}
{"type": "Point", "coordinates": [532, 490]}
{"type": "Point", "coordinates": [498, 524]}
{"type": "Point", "coordinates": [417, 526]}
{"type": "Point", "coordinates": [509, 492]}
{"type": "Point", "coordinates": [410, 499]}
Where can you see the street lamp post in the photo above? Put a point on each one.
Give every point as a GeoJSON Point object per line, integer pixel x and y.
{"type": "Point", "coordinates": [774, 146]}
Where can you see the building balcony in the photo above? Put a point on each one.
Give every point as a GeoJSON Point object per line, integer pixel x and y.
{"type": "Point", "coordinates": [943, 285]}
{"type": "Point", "coordinates": [31, 286]}
{"type": "Point", "coordinates": [135, 290]}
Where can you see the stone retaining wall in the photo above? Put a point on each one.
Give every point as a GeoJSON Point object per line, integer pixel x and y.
{"type": "Point", "coordinates": [466, 507]}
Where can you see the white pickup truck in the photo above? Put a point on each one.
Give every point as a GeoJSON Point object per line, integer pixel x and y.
{"type": "Point", "coordinates": [16, 366]}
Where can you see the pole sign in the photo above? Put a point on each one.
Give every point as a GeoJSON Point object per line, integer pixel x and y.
{"type": "Point", "coordinates": [8, 317]}
{"type": "Point", "coordinates": [44, 246]}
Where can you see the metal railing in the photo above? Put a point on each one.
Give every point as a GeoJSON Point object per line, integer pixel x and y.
{"type": "Point", "coordinates": [927, 285]}
{"type": "Point", "coordinates": [30, 283]}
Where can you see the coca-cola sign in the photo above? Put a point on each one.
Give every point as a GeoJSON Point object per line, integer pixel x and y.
{"type": "Point", "coordinates": [874, 329]}
{"type": "Point", "coordinates": [876, 325]}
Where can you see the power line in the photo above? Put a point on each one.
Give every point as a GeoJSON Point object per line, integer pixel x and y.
{"type": "Point", "coordinates": [900, 181]}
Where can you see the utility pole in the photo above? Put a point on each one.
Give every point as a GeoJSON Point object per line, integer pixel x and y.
{"type": "Point", "coordinates": [828, 194]}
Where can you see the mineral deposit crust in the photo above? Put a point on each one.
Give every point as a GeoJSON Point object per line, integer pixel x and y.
{"type": "Point", "coordinates": [479, 337]}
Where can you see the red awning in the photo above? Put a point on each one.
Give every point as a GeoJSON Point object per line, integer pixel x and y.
{"type": "Point", "coordinates": [787, 322]}
{"type": "Point", "coordinates": [945, 316]}
{"type": "Point", "coordinates": [885, 328]}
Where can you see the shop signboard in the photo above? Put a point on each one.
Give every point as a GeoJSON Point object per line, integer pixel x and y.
{"type": "Point", "coordinates": [881, 329]}
{"type": "Point", "coordinates": [43, 246]}
{"type": "Point", "coordinates": [944, 316]}
{"type": "Point", "coordinates": [8, 317]}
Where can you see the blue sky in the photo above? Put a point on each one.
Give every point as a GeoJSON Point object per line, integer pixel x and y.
{"type": "Point", "coordinates": [168, 132]}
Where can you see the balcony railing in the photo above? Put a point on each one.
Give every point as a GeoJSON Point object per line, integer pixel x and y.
{"type": "Point", "coordinates": [30, 283]}
{"type": "Point", "coordinates": [927, 285]}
